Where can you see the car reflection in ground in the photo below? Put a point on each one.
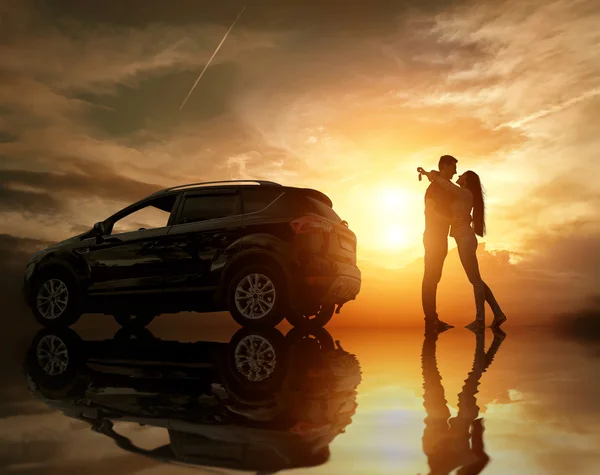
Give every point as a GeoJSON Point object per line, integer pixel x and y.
{"type": "Point", "coordinates": [261, 402]}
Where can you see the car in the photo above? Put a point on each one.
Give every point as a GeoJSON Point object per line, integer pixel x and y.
{"type": "Point", "coordinates": [261, 402]}
{"type": "Point", "coordinates": [258, 249]}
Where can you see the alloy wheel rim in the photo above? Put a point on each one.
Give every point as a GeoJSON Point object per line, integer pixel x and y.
{"type": "Point", "coordinates": [255, 358]}
{"type": "Point", "coordinates": [52, 299]}
{"type": "Point", "coordinates": [52, 355]}
{"type": "Point", "coordinates": [255, 296]}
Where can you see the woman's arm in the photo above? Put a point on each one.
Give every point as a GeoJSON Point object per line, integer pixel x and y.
{"type": "Point", "coordinates": [434, 176]}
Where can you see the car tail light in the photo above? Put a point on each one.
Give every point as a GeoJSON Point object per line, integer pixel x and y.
{"type": "Point", "coordinates": [311, 224]}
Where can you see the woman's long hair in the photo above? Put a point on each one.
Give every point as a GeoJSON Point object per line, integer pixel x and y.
{"type": "Point", "coordinates": [474, 186]}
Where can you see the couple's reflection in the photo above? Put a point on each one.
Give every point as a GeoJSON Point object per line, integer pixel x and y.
{"type": "Point", "coordinates": [452, 443]}
{"type": "Point", "coordinates": [261, 402]}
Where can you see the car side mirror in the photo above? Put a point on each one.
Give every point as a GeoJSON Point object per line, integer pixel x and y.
{"type": "Point", "coordinates": [100, 228]}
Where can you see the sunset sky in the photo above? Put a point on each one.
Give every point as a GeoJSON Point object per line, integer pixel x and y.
{"type": "Point", "coordinates": [345, 97]}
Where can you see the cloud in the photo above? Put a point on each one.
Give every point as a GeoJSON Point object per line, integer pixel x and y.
{"type": "Point", "coordinates": [552, 109]}
{"type": "Point", "coordinates": [26, 201]}
{"type": "Point", "coordinates": [38, 192]}
{"type": "Point", "coordinates": [582, 324]}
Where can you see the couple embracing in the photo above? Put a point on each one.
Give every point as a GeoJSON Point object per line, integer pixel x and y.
{"type": "Point", "coordinates": [458, 209]}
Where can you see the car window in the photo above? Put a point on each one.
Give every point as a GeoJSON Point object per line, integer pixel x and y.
{"type": "Point", "coordinates": [205, 207]}
{"type": "Point", "coordinates": [154, 215]}
{"type": "Point", "coordinates": [257, 199]}
{"type": "Point", "coordinates": [315, 206]}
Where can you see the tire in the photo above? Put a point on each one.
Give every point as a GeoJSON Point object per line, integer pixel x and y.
{"type": "Point", "coordinates": [256, 361]}
{"type": "Point", "coordinates": [54, 363]}
{"type": "Point", "coordinates": [248, 281]}
{"type": "Point", "coordinates": [127, 320]}
{"type": "Point", "coordinates": [312, 321]}
{"type": "Point", "coordinates": [56, 300]}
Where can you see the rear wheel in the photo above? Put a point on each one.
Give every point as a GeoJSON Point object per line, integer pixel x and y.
{"type": "Point", "coordinates": [320, 319]}
{"type": "Point", "coordinates": [55, 299]}
{"type": "Point", "coordinates": [257, 296]}
{"type": "Point", "coordinates": [127, 320]}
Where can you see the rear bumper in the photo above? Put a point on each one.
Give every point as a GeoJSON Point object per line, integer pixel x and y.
{"type": "Point", "coordinates": [343, 289]}
{"type": "Point", "coordinates": [338, 287]}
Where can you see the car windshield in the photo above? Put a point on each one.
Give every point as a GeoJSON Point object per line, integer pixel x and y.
{"type": "Point", "coordinates": [154, 215]}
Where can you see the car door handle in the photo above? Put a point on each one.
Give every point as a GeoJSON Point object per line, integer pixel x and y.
{"type": "Point", "coordinates": [221, 236]}
{"type": "Point", "coordinates": [102, 241]}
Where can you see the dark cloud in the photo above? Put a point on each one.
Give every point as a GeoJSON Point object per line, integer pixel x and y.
{"type": "Point", "coordinates": [14, 251]}
{"type": "Point", "coordinates": [14, 254]}
{"type": "Point", "coordinates": [555, 196]}
{"type": "Point", "coordinates": [582, 324]}
{"type": "Point", "coordinates": [6, 137]}
{"type": "Point", "coordinates": [40, 192]}
{"type": "Point", "coordinates": [571, 250]}
{"type": "Point", "coordinates": [27, 202]}
{"type": "Point", "coordinates": [359, 17]}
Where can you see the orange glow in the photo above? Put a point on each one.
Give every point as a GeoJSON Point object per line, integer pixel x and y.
{"type": "Point", "coordinates": [393, 199]}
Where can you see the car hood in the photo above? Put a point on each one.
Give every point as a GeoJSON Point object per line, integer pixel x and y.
{"type": "Point", "coordinates": [68, 240]}
{"type": "Point", "coordinates": [37, 255]}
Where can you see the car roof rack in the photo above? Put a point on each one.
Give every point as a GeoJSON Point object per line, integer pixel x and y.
{"type": "Point", "coordinates": [215, 183]}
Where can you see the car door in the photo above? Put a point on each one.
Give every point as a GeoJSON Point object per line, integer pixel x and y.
{"type": "Point", "coordinates": [205, 233]}
{"type": "Point", "coordinates": [131, 261]}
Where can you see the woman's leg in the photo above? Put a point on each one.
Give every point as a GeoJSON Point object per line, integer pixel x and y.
{"type": "Point", "coordinates": [467, 247]}
{"type": "Point", "coordinates": [491, 300]}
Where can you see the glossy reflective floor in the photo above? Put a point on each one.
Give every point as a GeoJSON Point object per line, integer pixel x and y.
{"type": "Point", "coordinates": [222, 400]}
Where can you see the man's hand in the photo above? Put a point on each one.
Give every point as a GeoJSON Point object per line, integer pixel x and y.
{"type": "Point", "coordinates": [430, 174]}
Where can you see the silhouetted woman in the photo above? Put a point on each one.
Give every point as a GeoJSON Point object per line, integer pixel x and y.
{"type": "Point", "coordinates": [469, 198]}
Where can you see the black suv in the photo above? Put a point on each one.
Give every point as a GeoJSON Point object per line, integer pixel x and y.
{"type": "Point", "coordinates": [258, 249]}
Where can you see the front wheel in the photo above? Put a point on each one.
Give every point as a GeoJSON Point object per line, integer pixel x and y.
{"type": "Point", "coordinates": [257, 296]}
{"type": "Point", "coordinates": [55, 301]}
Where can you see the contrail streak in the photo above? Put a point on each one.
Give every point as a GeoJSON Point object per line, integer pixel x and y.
{"type": "Point", "coordinates": [550, 110]}
{"type": "Point", "coordinates": [212, 57]}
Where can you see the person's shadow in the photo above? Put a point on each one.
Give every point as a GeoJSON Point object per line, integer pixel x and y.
{"type": "Point", "coordinates": [452, 443]}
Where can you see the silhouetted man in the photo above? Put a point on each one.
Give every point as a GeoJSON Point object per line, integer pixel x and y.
{"type": "Point", "coordinates": [435, 240]}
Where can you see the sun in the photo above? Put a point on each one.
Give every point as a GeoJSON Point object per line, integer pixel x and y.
{"type": "Point", "coordinates": [387, 218]}
{"type": "Point", "coordinates": [396, 237]}
{"type": "Point", "coordinates": [392, 199]}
